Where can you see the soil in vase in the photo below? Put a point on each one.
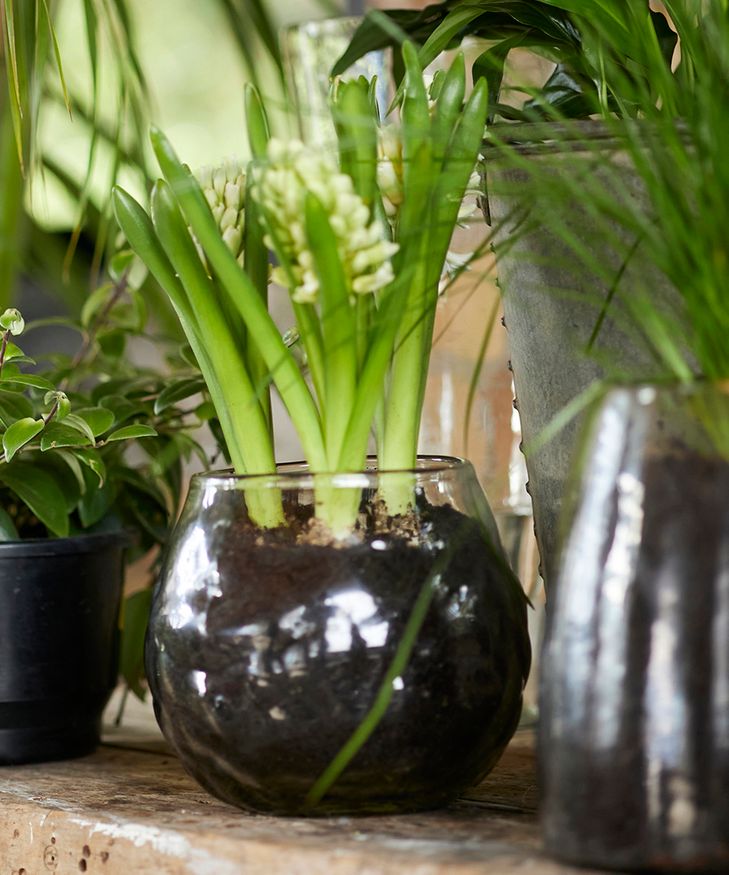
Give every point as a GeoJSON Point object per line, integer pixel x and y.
{"type": "Point", "coordinates": [268, 649]}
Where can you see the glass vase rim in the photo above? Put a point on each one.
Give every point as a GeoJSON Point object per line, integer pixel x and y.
{"type": "Point", "coordinates": [297, 473]}
{"type": "Point", "coordinates": [327, 24]}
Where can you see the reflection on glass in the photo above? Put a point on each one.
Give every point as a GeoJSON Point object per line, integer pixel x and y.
{"type": "Point", "coordinates": [310, 50]}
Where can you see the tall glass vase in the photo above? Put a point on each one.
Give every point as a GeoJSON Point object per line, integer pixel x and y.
{"type": "Point", "coordinates": [634, 731]}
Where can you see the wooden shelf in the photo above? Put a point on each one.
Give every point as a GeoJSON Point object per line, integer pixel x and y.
{"type": "Point", "coordinates": [130, 808]}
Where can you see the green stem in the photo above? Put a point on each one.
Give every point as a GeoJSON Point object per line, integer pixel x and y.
{"type": "Point", "coordinates": [256, 266]}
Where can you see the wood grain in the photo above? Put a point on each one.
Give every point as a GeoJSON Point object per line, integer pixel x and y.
{"type": "Point", "coordinates": [130, 808]}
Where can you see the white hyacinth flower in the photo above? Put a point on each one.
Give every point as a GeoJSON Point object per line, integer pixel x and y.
{"type": "Point", "coordinates": [389, 168]}
{"type": "Point", "coordinates": [224, 188]}
{"type": "Point", "coordinates": [281, 187]}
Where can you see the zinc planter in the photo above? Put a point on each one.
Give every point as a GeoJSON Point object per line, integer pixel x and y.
{"type": "Point", "coordinates": [553, 302]}
{"type": "Point", "coordinates": [59, 635]}
{"type": "Point", "coordinates": [268, 650]}
{"type": "Point", "coordinates": [634, 716]}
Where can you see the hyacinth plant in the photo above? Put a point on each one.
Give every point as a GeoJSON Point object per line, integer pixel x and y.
{"type": "Point", "coordinates": [360, 242]}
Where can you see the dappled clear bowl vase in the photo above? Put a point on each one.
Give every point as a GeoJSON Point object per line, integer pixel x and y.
{"type": "Point", "coordinates": [299, 672]}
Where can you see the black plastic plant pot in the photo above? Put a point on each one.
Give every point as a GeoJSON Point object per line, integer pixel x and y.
{"type": "Point", "coordinates": [380, 671]}
{"type": "Point", "coordinates": [59, 637]}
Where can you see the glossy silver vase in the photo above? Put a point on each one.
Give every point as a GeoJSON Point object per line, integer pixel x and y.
{"type": "Point", "coordinates": [634, 718]}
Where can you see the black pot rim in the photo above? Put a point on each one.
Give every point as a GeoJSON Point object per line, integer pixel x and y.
{"type": "Point", "coordinates": [74, 544]}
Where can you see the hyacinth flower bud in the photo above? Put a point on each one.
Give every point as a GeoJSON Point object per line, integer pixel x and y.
{"type": "Point", "coordinates": [224, 188]}
{"type": "Point", "coordinates": [281, 187]}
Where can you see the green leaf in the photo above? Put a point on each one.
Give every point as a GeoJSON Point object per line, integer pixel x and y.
{"type": "Point", "coordinates": [40, 491]}
{"type": "Point", "coordinates": [32, 380]}
{"type": "Point", "coordinates": [256, 121]}
{"type": "Point", "coordinates": [57, 434]}
{"type": "Point", "coordinates": [16, 354]}
{"type": "Point", "coordinates": [132, 431]}
{"type": "Point", "coordinates": [112, 342]}
{"type": "Point", "coordinates": [96, 501]}
{"type": "Point", "coordinates": [64, 476]}
{"type": "Point", "coordinates": [8, 532]}
{"type": "Point", "coordinates": [78, 424]}
{"type": "Point", "coordinates": [120, 265]}
{"type": "Point", "coordinates": [95, 303]}
{"type": "Point", "coordinates": [205, 411]}
{"type": "Point", "coordinates": [14, 406]}
{"type": "Point", "coordinates": [121, 407]}
{"type": "Point", "coordinates": [61, 402]}
{"type": "Point", "coordinates": [19, 434]}
{"type": "Point", "coordinates": [43, 12]}
{"type": "Point", "coordinates": [94, 462]}
{"type": "Point", "coordinates": [74, 466]}
{"type": "Point", "coordinates": [178, 391]}
{"type": "Point", "coordinates": [98, 419]}
{"type": "Point", "coordinates": [135, 617]}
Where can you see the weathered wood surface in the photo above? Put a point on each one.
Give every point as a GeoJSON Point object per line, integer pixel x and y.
{"type": "Point", "coordinates": [130, 808]}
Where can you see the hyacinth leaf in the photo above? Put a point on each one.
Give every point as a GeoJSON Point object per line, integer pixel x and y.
{"type": "Point", "coordinates": [256, 253]}
{"type": "Point", "coordinates": [357, 135]}
{"type": "Point", "coordinates": [227, 376]}
{"type": "Point", "coordinates": [38, 489]}
{"type": "Point", "coordinates": [449, 103]}
{"type": "Point", "coordinates": [338, 326]}
{"type": "Point", "coordinates": [140, 232]}
{"type": "Point", "coordinates": [458, 164]}
{"type": "Point", "coordinates": [244, 425]}
{"type": "Point", "coordinates": [387, 321]}
{"type": "Point", "coordinates": [280, 362]}
{"type": "Point", "coordinates": [441, 191]}
{"type": "Point", "coordinates": [256, 121]}
{"type": "Point", "coordinates": [416, 127]}
{"type": "Point", "coordinates": [19, 434]}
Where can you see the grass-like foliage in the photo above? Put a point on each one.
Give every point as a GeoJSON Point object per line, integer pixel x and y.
{"type": "Point", "coordinates": [653, 188]}
{"type": "Point", "coordinates": [361, 244]}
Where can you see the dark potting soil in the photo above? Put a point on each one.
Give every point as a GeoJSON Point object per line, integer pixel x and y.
{"type": "Point", "coordinates": [264, 668]}
{"type": "Point", "coordinates": [642, 780]}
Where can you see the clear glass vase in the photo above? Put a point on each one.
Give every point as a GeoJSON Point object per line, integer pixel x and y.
{"type": "Point", "coordinates": [296, 672]}
{"type": "Point", "coordinates": [634, 716]}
